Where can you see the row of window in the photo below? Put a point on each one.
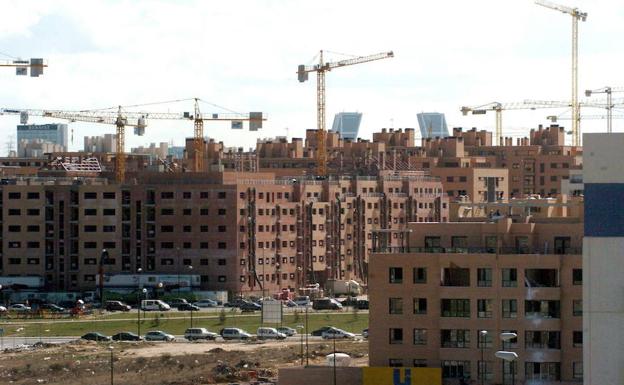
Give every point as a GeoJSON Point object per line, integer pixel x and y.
{"type": "Point", "coordinates": [509, 276]}
{"type": "Point", "coordinates": [455, 307]}
{"type": "Point", "coordinates": [533, 371]}
{"type": "Point", "coordinates": [29, 195]}
{"type": "Point", "coordinates": [460, 338]}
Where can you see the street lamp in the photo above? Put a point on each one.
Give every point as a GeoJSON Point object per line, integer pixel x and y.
{"type": "Point", "coordinates": [482, 338]}
{"type": "Point", "coordinates": [110, 347]}
{"type": "Point", "coordinates": [510, 357]}
{"type": "Point", "coordinates": [300, 331]}
{"type": "Point", "coordinates": [139, 271]}
{"type": "Point", "coordinates": [178, 249]}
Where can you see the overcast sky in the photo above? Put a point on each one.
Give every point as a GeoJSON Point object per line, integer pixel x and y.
{"type": "Point", "coordinates": [244, 54]}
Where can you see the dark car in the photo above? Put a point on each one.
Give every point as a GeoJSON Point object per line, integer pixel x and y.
{"type": "Point", "coordinates": [250, 307]}
{"type": "Point", "coordinates": [188, 307]}
{"type": "Point", "coordinates": [126, 336]}
{"type": "Point", "coordinates": [67, 304]}
{"type": "Point", "coordinates": [52, 308]}
{"type": "Point", "coordinates": [319, 332]}
{"type": "Point", "coordinates": [176, 302]}
{"type": "Point", "coordinates": [326, 304]}
{"type": "Point", "coordinates": [238, 302]}
{"type": "Point", "coordinates": [95, 336]}
{"type": "Point", "coordinates": [362, 304]}
{"type": "Point", "coordinates": [117, 306]}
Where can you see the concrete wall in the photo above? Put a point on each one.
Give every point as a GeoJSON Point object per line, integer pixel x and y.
{"type": "Point", "coordinates": [320, 375]}
{"type": "Point", "coordinates": [603, 292]}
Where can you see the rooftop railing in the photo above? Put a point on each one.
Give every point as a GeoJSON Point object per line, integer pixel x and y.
{"type": "Point", "coordinates": [476, 250]}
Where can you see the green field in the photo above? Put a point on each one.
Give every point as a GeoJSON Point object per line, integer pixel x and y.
{"type": "Point", "coordinates": [174, 323]}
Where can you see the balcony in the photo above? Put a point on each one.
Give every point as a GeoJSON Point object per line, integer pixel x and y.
{"type": "Point", "coordinates": [472, 250]}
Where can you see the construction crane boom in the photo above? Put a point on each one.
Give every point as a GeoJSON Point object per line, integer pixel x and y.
{"type": "Point", "coordinates": [576, 16]}
{"type": "Point", "coordinates": [138, 120]}
{"type": "Point", "coordinates": [320, 69]}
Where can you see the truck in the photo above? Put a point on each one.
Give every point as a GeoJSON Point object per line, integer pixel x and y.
{"type": "Point", "coordinates": [341, 287]}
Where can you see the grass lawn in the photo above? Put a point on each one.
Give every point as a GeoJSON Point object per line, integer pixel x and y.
{"type": "Point", "coordinates": [176, 323]}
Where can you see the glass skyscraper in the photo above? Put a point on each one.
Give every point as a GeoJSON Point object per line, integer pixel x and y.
{"type": "Point", "coordinates": [54, 133]}
{"type": "Point", "coordinates": [432, 124]}
{"type": "Point", "coordinates": [347, 124]}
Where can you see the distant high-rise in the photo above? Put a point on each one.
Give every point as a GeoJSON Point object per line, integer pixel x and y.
{"type": "Point", "coordinates": [53, 133]}
{"type": "Point", "coordinates": [347, 124]}
{"type": "Point", "coordinates": [432, 124]}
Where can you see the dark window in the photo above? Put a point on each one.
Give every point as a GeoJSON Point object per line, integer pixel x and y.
{"type": "Point", "coordinates": [187, 212]}
{"type": "Point", "coordinates": [203, 211]}
{"type": "Point", "coordinates": [166, 211]}
{"type": "Point", "coordinates": [484, 308]}
{"type": "Point", "coordinates": [396, 275]}
{"type": "Point", "coordinates": [396, 336]}
{"type": "Point", "coordinates": [577, 276]}
{"type": "Point", "coordinates": [222, 278]}
{"type": "Point", "coordinates": [420, 275]}
{"type": "Point", "coordinates": [108, 195]}
{"type": "Point", "coordinates": [484, 277]}
{"type": "Point", "coordinates": [542, 309]}
{"type": "Point", "coordinates": [395, 306]}
{"type": "Point", "coordinates": [32, 212]}
{"type": "Point", "coordinates": [15, 195]}
{"type": "Point", "coordinates": [420, 305]}
{"type": "Point", "coordinates": [108, 228]}
{"type": "Point", "coordinates": [455, 338]}
{"type": "Point", "coordinates": [90, 212]}
{"type": "Point", "coordinates": [166, 245]}
{"type": "Point", "coordinates": [455, 308]}
{"type": "Point", "coordinates": [221, 211]}
{"type": "Point", "coordinates": [456, 276]}
{"type": "Point", "coordinates": [577, 339]}
{"type": "Point", "coordinates": [510, 277]}
{"type": "Point", "coordinates": [109, 212]}
{"type": "Point", "coordinates": [32, 228]}
{"type": "Point", "coordinates": [167, 195]}
{"type": "Point", "coordinates": [204, 195]}
{"type": "Point", "coordinates": [203, 245]}
{"type": "Point", "coordinates": [32, 195]}
{"type": "Point", "coordinates": [203, 228]}
{"type": "Point", "coordinates": [15, 212]}
{"type": "Point", "coordinates": [187, 228]}
{"type": "Point", "coordinates": [15, 228]}
{"type": "Point", "coordinates": [510, 308]}
{"type": "Point", "coordinates": [90, 245]}
{"type": "Point", "coordinates": [166, 229]}
{"type": "Point", "coordinates": [90, 195]}
{"type": "Point", "coordinates": [32, 245]}
{"type": "Point", "coordinates": [90, 228]}
{"type": "Point", "coordinates": [186, 195]}
{"type": "Point", "coordinates": [541, 278]}
{"type": "Point", "coordinates": [221, 195]}
{"type": "Point", "coordinates": [221, 262]}
{"type": "Point", "coordinates": [222, 245]}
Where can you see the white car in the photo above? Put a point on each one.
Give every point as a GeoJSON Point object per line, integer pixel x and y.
{"type": "Point", "coordinates": [337, 334]}
{"type": "Point", "coordinates": [269, 334]}
{"type": "Point", "coordinates": [286, 330]}
{"type": "Point", "coordinates": [205, 303]}
{"type": "Point", "coordinates": [158, 335]}
{"type": "Point", "coordinates": [193, 334]}
{"type": "Point", "coordinates": [19, 307]}
{"type": "Point", "coordinates": [3, 309]}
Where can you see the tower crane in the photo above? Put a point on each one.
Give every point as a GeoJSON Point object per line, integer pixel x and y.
{"type": "Point", "coordinates": [320, 69]}
{"type": "Point", "coordinates": [609, 91]}
{"type": "Point", "coordinates": [138, 120]}
{"type": "Point", "coordinates": [499, 107]}
{"type": "Point", "coordinates": [576, 16]}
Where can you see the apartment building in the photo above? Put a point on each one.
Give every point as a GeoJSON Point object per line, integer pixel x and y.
{"type": "Point", "coordinates": [431, 297]}
{"type": "Point", "coordinates": [240, 232]}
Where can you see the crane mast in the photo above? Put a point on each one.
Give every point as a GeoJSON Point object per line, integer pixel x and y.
{"type": "Point", "coordinates": [320, 69]}
{"type": "Point", "coordinates": [576, 15]}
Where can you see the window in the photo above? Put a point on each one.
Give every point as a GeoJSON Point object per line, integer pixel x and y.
{"type": "Point", "coordinates": [577, 370]}
{"type": "Point", "coordinates": [15, 195]}
{"type": "Point", "coordinates": [485, 369]}
{"type": "Point", "coordinates": [577, 276]}
{"type": "Point", "coordinates": [203, 245]}
{"type": "Point", "coordinates": [203, 211]}
{"type": "Point", "coordinates": [510, 277]}
{"type": "Point", "coordinates": [455, 338]}
{"type": "Point", "coordinates": [455, 369]}
{"type": "Point", "coordinates": [512, 343]}
{"type": "Point", "coordinates": [484, 277]}
{"type": "Point", "coordinates": [13, 212]}
{"type": "Point", "coordinates": [542, 309]}
{"type": "Point", "coordinates": [456, 276]}
{"type": "Point", "coordinates": [396, 275]}
{"type": "Point", "coordinates": [90, 195]}
{"type": "Point", "coordinates": [222, 278]}
{"type": "Point", "coordinates": [203, 261]}
{"type": "Point", "coordinates": [221, 195]}
{"type": "Point", "coordinates": [15, 228]}
{"type": "Point", "coordinates": [484, 308]}
{"type": "Point", "coordinates": [166, 229]}
{"type": "Point", "coordinates": [395, 306]}
{"type": "Point", "coordinates": [420, 363]}
{"type": "Point", "coordinates": [166, 195]}
{"type": "Point", "coordinates": [484, 340]}
{"type": "Point", "coordinates": [420, 275]}
{"type": "Point", "coordinates": [396, 336]}
{"type": "Point", "coordinates": [577, 307]}
{"type": "Point", "coordinates": [510, 308]}
{"type": "Point", "coordinates": [459, 244]}
{"type": "Point", "coordinates": [32, 245]}
{"type": "Point", "coordinates": [90, 245]}
{"type": "Point", "coordinates": [187, 212]}
{"type": "Point", "coordinates": [32, 212]}
{"type": "Point", "coordinates": [187, 228]}
{"type": "Point", "coordinates": [577, 339]}
{"type": "Point", "coordinates": [166, 211]}
{"type": "Point", "coordinates": [221, 211]}
{"type": "Point", "coordinates": [166, 245]}
{"type": "Point", "coordinates": [109, 245]}
{"type": "Point", "coordinates": [432, 244]}
{"type": "Point", "coordinates": [186, 195]}
{"type": "Point", "coordinates": [32, 228]}
{"type": "Point", "coordinates": [420, 305]}
{"type": "Point", "coordinates": [394, 362]}
{"type": "Point", "coordinates": [108, 195]}
{"type": "Point", "coordinates": [90, 212]}
{"type": "Point", "coordinates": [541, 278]}
{"type": "Point", "coordinates": [221, 245]}
{"type": "Point", "coordinates": [542, 371]}
{"type": "Point", "coordinates": [203, 228]}
{"type": "Point", "coordinates": [455, 308]}
{"type": "Point", "coordinates": [420, 336]}
{"type": "Point", "coordinates": [221, 262]}
{"type": "Point", "coordinates": [222, 229]}
{"type": "Point", "coordinates": [539, 339]}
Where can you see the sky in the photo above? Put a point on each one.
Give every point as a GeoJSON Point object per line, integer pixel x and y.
{"type": "Point", "coordinates": [243, 55]}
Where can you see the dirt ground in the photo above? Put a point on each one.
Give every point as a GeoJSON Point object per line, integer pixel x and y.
{"type": "Point", "coordinates": [163, 363]}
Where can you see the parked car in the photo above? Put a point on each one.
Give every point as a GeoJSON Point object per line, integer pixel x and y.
{"type": "Point", "coordinates": [188, 307]}
{"type": "Point", "coordinates": [126, 336]}
{"type": "Point", "coordinates": [337, 334]}
{"type": "Point", "coordinates": [52, 308]}
{"type": "Point", "coordinates": [290, 303]}
{"type": "Point", "coordinates": [319, 332]}
{"type": "Point", "coordinates": [95, 336]}
{"type": "Point", "coordinates": [19, 307]}
{"type": "Point", "coordinates": [158, 335]}
{"type": "Point", "coordinates": [193, 334]}
{"type": "Point", "coordinates": [270, 334]}
{"type": "Point", "coordinates": [154, 304]}
{"type": "Point", "coordinates": [205, 303]}
{"type": "Point", "coordinates": [250, 307]}
{"type": "Point", "coordinates": [67, 304]}
{"type": "Point", "coordinates": [365, 333]}
{"type": "Point", "coordinates": [177, 302]}
{"type": "Point", "coordinates": [117, 306]}
{"type": "Point", "coordinates": [234, 334]}
{"type": "Point", "coordinates": [3, 309]}
{"type": "Point", "coordinates": [286, 330]}
{"type": "Point", "coordinates": [362, 304]}
{"type": "Point", "coordinates": [237, 302]}
{"type": "Point", "coordinates": [326, 304]}
{"type": "Point", "coordinates": [302, 300]}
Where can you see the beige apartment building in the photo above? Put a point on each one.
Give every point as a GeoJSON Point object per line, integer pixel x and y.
{"type": "Point", "coordinates": [247, 233]}
{"type": "Point", "coordinates": [431, 296]}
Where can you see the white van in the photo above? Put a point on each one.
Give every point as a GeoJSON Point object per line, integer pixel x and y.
{"type": "Point", "coordinates": [154, 305]}
{"type": "Point", "coordinates": [270, 334]}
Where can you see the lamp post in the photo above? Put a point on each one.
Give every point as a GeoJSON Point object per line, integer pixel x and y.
{"type": "Point", "coordinates": [300, 330]}
{"type": "Point", "coordinates": [190, 269]}
{"type": "Point", "coordinates": [112, 373]}
{"type": "Point", "coordinates": [178, 269]}
{"type": "Point", "coordinates": [139, 271]}
{"type": "Point", "coordinates": [482, 337]}
{"type": "Point", "coordinates": [510, 357]}
{"type": "Point", "coordinates": [158, 287]}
